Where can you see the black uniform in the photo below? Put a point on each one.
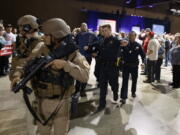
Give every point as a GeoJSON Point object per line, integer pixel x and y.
{"type": "Point", "coordinates": [97, 47]}
{"type": "Point", "coordinates": [108, 69]}
{"type": "Point", "coordinates": [130, 57]}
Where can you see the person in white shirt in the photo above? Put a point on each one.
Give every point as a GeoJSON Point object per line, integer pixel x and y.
{"type": "Point", "coordinates": [10, 40]}
{"type": "Point", "coordinates": [152, 57]}
{"type": "Point", "coordinates": [9, 36]}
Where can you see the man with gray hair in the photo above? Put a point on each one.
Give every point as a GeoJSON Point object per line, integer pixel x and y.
{"type": "Point", "coordinates": [175, 60]}
{"type": "Point", "coordinates": [130, 53]}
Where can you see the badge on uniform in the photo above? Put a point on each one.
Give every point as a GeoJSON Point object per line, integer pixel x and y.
{"type": "Point", "coordinates": [130, 51]}
{"type": "Point", "coordinates": [63, 43]}
{"type": "Point", "coordinates": [111, 42]}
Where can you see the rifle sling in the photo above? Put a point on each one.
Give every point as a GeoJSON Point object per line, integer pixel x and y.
{"type": "Point", "coordinates": [34, 114]}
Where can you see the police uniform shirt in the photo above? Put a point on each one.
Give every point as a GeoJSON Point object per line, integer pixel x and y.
{"type": "Point", "coordinates": [109, 49]}
{"type": "Point", "coordinates": [131, 52]}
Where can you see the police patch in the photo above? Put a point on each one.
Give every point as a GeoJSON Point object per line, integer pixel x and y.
{"type": "Point", "coordinates": [85, 63]}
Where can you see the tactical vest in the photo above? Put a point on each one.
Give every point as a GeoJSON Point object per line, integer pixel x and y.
{"type": "Point", "coordinates": [21, 51]}
{"type": "Point", "coordinates": [25, 46]}
{"type": "Point", "coordinates": [52, 83]}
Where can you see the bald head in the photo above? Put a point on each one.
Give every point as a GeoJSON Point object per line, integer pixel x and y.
{"type": "Point", "coordinates": [84, 27]}
{"type": "Point", "coordinates": [132, 36]}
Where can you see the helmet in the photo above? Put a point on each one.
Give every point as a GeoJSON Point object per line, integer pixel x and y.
{"type": "Point", "coordinates": [56, 27]}
{"type": "Point", "coordinates": [29, 22]}
{"type": "Point", "coordinates": [177, 35]}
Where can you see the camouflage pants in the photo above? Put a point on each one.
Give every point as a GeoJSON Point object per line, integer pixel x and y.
{"type": "Point", "coordinates": [60, 124]}
{"type": "Point", "coordinates": [31, 127]}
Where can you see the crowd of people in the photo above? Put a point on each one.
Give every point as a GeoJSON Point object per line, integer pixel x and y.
{"type": "Point", "coordinates": [113, 53]}
{"type": "Point", "coordinates": [155, 51]}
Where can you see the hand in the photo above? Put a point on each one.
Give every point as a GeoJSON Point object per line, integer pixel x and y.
{"type": "Point", "coordinates": [94, 54]}
{"type": "Point", "coordinates": [142, 66]}
{"type": "Point", "coordinates": [124, 43]}
{"type": "Point", "coordinates": [15, 81]}
{"type": "Point", "coordinates": [86, 48]}
{"type": "Point", "coordinates": [57, 64]}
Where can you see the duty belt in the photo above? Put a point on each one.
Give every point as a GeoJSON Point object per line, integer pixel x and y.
{"type": "Point", "coordinates": [130, 64]}
{"type": "Point", "coordinates": [54, 80]}
{"type": "Point", "coordinates": [54, 97]}
{"type": "Point", "coordinates": [108, 63]}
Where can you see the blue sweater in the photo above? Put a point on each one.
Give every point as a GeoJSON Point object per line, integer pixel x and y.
{"type": "Point", "coordinates": [85, 39]}
{"type": "Point", "coordinates": [175, 55]}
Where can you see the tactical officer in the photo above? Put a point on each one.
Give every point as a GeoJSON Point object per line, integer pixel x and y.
{"type": "Point", "coordinates": [25, 43]}
{"type": "Point", "coordinates": [25, 48]}
{"type": "Point", "coordinates": [108, 70]}
{"type": "Point", "coordinates": [54, 84]}
{"type": "Point", "coordinates": [130, 57]}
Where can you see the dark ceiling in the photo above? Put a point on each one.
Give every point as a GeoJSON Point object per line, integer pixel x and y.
{"type": "Point", "coordinates": [144, 3]}
{"type": "Point", "coordinates": [163, 6]}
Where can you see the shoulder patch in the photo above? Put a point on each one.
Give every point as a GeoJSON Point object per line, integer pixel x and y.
{"type": "Point", "coordinates": [85, 63]}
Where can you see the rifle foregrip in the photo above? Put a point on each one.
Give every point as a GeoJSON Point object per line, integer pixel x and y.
{"type": "Point", "coordinates": [17, 88]}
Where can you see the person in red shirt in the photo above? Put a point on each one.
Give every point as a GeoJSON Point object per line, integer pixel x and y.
{"type": "Point", "coordinates": [144, 37]}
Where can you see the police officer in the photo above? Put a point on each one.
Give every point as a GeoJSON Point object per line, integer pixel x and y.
{"type": "Point", "coordinates": [130, 57]}
{"type": "Point", "coordinates": [108, 70]}
{"type": "Point", "coordinates": [94, 49]}
{"type": "Point", "coordinates": [98, 46]}
{"type": "Point", "coordinates": [54, 85]}
{"type": "Point", "coordinates": [25, 48]}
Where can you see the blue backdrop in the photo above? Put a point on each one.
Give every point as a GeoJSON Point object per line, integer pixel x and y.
{"type": "Point", "coordinates": [124, 22]}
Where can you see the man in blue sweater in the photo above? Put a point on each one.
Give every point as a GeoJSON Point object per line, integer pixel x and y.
{"type": "Point", "coordinates": [175, 60]}
{"type": "Point", "coordinates": [84, 40]}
